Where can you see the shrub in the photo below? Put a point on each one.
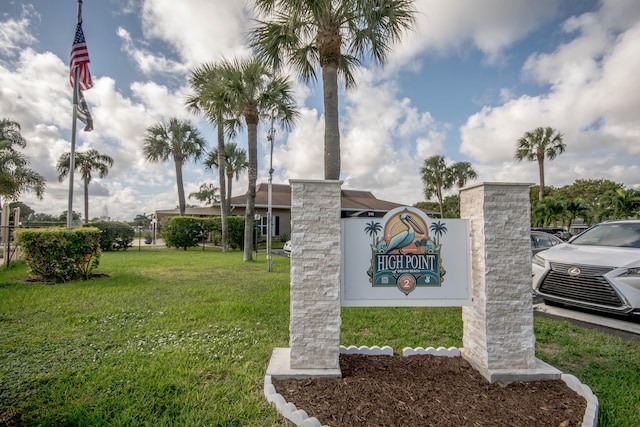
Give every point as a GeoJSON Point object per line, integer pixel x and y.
{"type": "Point", "coordinates": [184, 231]}
{"type": "Point", "coordinates": [114, 235]}
{"type": "Point", "coordinates": [60, 254]}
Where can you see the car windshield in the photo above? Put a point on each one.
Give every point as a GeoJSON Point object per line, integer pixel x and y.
{"type": "Point", "coordinates": [624, 235]}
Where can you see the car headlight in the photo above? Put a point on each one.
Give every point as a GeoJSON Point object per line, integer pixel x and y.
{"type": "Point", "coordinates": [633, 272]}
{"type": "Point", "coordinates": [538, 260]}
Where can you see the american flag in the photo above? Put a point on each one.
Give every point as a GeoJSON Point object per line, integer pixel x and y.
{"type": "Point", "coordinates": [80, 59]}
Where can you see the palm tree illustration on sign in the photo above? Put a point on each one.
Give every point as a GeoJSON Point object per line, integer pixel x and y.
{"type": "Point", "coordinates": [372, 229]}
{"type": "Point", "coordinates": [439, 229]}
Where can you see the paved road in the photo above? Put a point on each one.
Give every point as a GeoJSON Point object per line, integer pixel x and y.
{"type": "Point", "coordinates": [614, 325]}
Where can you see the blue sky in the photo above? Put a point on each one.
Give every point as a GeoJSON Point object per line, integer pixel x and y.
{"type": "Point", "coordinates": [466, 84]}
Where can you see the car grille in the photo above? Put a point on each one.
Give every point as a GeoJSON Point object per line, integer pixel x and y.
{"type": "Point", "coordinates": [589, 287]}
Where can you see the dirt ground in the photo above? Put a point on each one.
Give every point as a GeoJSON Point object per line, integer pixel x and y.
{"type": "Point", "coordinates": [429, 390]}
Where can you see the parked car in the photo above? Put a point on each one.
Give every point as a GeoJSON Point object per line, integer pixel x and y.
{"type": "Point", "coordinates": [287, 248]}
{"type": "Point", "coordinates": [599, 269]}
{"type": "Point", "coordinates": [556, 231]}
{"type": "Point", "coordinates": [541, 241]}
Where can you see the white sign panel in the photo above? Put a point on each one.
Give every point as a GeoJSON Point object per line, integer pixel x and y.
{"type": "Point", "coordinates": [405, 259]}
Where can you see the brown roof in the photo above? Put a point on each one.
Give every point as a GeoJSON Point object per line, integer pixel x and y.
{"type": "Point", "coordinates": [352, 200]}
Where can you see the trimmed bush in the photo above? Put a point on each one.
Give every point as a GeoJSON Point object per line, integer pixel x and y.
{"type": "Point", "coordinates": [60, 254]}
{"type": "Point", "coordinates": [114, 235]}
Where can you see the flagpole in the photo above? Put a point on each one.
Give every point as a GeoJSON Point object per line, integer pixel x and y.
{"type": "Point", "coordinates": [74, 123]}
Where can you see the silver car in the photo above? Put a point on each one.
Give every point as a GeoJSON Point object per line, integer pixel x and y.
{"type": "Point", "coordinates": [598, 269]}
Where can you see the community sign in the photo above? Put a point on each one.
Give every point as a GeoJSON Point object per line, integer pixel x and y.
{"type": "Point", "coordinates": [405, 259]}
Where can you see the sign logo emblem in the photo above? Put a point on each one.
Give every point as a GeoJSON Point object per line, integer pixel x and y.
{"type": "Point", "coordinates": [405, 256]}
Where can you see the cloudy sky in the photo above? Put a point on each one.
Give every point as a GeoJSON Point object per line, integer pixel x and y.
{"type": "Point", "coordinates": [466, 84]}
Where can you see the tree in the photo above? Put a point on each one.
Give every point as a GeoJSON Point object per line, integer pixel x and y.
{"type": "Point", "coordinates": [85, 162]}
{"type": "Point", "coordinates": [336, 36]}
{"type": "Point", "coordinates": [178, 140]}
{"type": "Point", "coordinates": [16, 176]}
{"type": "Point", "coordinates": [574, 209]}
{"type": "Point", "coordinates": [538, 144]}
{"type": "Point", "coordinates": [210, 99]}
{"type": "Point", "coordinates": [373, 228]}
{"type": "Point", "coordinates": [622, 204]}
{"type": "Point", "coordinates": [207, 193]}
{"type": "Point", "coordinates": [436, 177]}
{"type": "Point", "coordinates": [235, 162]}
{"type": "Point", "coordinates": [548, 211]}
{"type": "Point", "coordinates": [251, 89]}
{"type": "Point", "coordinates": [593, 194]}
{"type": "Point", "coordinates": [462, 172]}
{"type": "Point", "coordinates": [143, 220]}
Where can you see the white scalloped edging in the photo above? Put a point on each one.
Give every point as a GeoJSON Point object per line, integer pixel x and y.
{"type": "Point", "coordinates": [301, 419]}
{"type": "Point", "coordinates": [591, 413]}
{"type": "Point", "coordinates": [371, 351]}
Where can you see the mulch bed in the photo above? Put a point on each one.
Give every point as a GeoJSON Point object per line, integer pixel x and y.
{"type": "Point", "coordinates": [427, 390]}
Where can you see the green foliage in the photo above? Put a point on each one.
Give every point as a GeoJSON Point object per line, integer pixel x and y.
{"type": "Point", "coordinates": [60, 254]}
{"type": "Point", "coordinates": [184, 232]}
{"type": "Point", "coordinates": [114, 235]}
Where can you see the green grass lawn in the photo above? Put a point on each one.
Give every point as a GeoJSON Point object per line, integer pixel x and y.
{"type": "Point", "coordinates": [184, 338]}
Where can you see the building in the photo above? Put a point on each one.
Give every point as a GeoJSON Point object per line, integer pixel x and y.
{"type": "Point", "coordinates": [354, 203]}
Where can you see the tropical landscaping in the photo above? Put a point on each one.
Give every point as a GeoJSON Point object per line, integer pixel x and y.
{"type": "Point", "coordinates": [172, 337]}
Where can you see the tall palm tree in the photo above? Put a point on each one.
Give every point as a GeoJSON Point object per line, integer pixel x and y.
{"type": "Point", "coordinates": [436, 177]}
{"type": "Point", "coordinates": [209, 99]}
{"type": "Point", "coordinates": [537, 145]}
{"type": "Point", "coordinates": [252, 89]}
{"type": "Point", "coordinates": [334, 35]}
{"type": "Point", "coordinates": [178, 140]}
{"type": "Point", "coordinates": [235, 162]}
{"type": "Point", "coordinates": [86, 162]}
{"type": "Point", "coordinates": [462, 172]}
{"type": "Point", "coordinates": [15, 174]}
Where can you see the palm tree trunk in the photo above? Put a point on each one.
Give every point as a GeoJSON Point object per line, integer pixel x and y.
{"type": "Point", "coordinates": [221, 178]}
{"type": "Point", "coordinates": [331, 130]}
{"type": "Point", "coordinates": [180, 183]}
{"type": "Point", "coordinates": [86, 200]}
{"type": "Point", "coordinates": [229, 183]}
{"type": "Point", "coordinates": [252, 136]}
{"type": "Point", "coordinates": [541, 172]}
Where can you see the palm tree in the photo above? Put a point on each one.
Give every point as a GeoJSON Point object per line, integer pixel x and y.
{"type": "Point", "coordinates": [538, 144]}
{"type": "Point", "coordinates": [251, 89]}
{"type": "Point", "coordinates": [16, 176]}
{"type": "Point", "coordinates": [207, 193]}
{"type": "Point", "coordinates": [235, 162]}
{"type": "Point", "coordinates": [548, 212]}
{"type": "Point", "coordinates": [622, 203]}
{"type": "Point", "coordinates": [336, 36]}
{"type": "Point", "coordinates": [573, 209]}
{"type": "Point", "coordinates": [178, 140]}
{"type": "Point", "coordinates": [462, 172]}
{"type": "Point", "coordinates": [10, 134]}
{"type": "Point", "coordinates": [439, 229]}
{"type": "Point", "coordinates": [210, 99]}
{"type": "Point", "coordinates": [85, 162]}
{"type": "Point", "coordinates": [436, 177]}
{"type": "Point", "coordinates": [372, 228]}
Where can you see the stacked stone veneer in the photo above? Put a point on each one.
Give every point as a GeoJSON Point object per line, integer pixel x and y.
{"type": "Point", "coordinates": [498, 327]}
{"type": "Point", "coordinates": [314, 329]}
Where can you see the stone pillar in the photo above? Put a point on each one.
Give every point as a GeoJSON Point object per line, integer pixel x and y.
{"type": "Point", "coordinates": [498, 327]}
{"type": "Point", "coordinates": [315, 274]}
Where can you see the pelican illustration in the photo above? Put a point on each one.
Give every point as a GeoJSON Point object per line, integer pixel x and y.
{"type": "Point", "coordinates": [405, 237]}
